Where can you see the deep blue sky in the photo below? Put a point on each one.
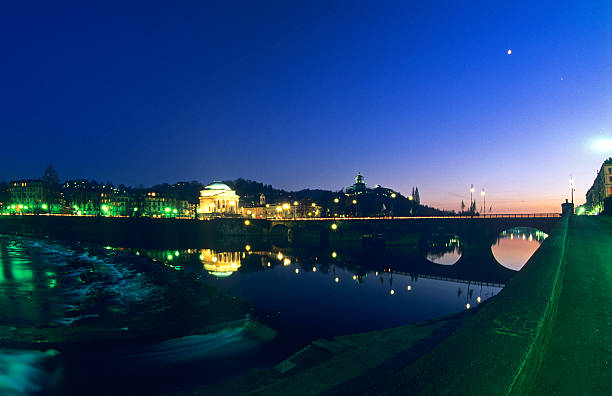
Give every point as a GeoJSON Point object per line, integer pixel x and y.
{"type": "Point", "coordinates": [304, 96]}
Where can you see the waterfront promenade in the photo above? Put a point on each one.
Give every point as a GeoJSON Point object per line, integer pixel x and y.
{"type": "Point", "coordinates": [578, 360]}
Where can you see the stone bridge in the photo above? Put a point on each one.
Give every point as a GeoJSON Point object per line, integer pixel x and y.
{"type": "Point", "coordinates": [473, 231]}
{"type": "Point", "coordinates": [476, 234]}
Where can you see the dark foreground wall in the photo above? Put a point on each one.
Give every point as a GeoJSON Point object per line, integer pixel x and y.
{"type": "Point", "coordinates": [125, 232]}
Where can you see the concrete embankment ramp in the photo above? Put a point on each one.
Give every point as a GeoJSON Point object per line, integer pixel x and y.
{"type": "Point", "coordinates": [579, 356]}
{"type": "Point", "coordinates": [500, 349]}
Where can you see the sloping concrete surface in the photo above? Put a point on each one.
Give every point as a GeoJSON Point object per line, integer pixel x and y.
{"type": "Point", "coordinates": [579, 356]}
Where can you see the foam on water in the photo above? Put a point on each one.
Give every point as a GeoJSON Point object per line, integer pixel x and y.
{"type": "Point", "coordinates": [110, 275]}
{"type": "Point", "coordinates": [227, 342]}
{"type": "Point", "coordinates": [23, 373]}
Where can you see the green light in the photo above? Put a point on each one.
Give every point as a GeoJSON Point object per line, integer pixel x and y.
{"type": "Point", "coordinates": [44, 206]}
{"type": "Point", "coordinates": [176, 253]}
{"type": "Point", "coordinates": [135, 209]}
{"type": "Point", "coordinates": [12, 206]}
{"type": "Point", "coordinates": [105, 208]}
{"type": "Point", "coordinates": [169, 257]}
{"type": "Point", "coordinates": [174, 211]}
{"type": "Point", "coordinates": [167, 210]}
{"type": "Point", "coordinates": [25, 207]}
{"type": "Point", "coordinates": [75, 207]}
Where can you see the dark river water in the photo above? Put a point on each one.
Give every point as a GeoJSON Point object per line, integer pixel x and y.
{"type": "Point", "coordinates": [303, 294]}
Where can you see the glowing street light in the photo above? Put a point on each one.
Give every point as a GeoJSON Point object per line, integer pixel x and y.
{"type": "Point", "coordinates": [471, 193]}
{"type": "Point", "coordinates": [336, 200]}
{"type": "Point", "coordinates": [393, 195]}
{"type": "Point", "coordinates": [44, 206]}
{"type": "Point", "coordinates": [334, 226]}
{"type": "Point", "coordinates": [484, 201]}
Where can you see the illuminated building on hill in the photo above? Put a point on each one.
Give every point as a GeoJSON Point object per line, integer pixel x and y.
{"type": "Point", "coordinates": [359, 187]}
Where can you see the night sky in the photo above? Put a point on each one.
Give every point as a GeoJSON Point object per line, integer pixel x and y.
{"type": "Point", "coordinates": [305, 96]}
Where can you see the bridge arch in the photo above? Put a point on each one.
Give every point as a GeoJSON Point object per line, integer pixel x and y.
{"type": "Point", "coordinates": [354, 233]}
{"type": "Point", "coordinates": [310, 233]}
{"type": "Point", "coordinates": [279, 231]}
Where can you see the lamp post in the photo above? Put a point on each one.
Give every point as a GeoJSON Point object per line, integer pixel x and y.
{"type": "Point", "coordinates": [572, 187]}
{"type": "Point", "coordinates": [484, 201]}
{"type": "Point", "coordinates": [471, 199]}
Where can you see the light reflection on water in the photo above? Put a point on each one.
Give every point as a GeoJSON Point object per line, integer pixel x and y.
{"type": "Point", "coordinates": [514, 247]}
{"type": "Point", "coordinates": [309, 292]}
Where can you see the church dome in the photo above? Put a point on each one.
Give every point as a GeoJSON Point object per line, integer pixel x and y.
{"type": "Point", "coordinates": [217, 186]}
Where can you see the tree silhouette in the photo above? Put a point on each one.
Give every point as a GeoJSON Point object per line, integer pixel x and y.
{"type": "Point", "coordinates": [50, 177]}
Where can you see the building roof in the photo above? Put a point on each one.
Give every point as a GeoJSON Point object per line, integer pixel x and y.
{"type": "Point", "coordinates": [217, 185]}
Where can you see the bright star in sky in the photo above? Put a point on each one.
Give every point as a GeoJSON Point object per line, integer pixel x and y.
{"type": "Point", "coordinates": [509, 52]}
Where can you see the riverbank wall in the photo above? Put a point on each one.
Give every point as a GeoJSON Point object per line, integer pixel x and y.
{"type": "Point", "coordinates": [499, 350]}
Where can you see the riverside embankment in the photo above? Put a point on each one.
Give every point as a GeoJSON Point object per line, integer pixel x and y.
{"type": "Point", "coordinates": [496, 350]}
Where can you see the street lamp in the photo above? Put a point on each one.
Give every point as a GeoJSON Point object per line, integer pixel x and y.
{"type": "Point", "coordinates": [471, 199]}
{"type": "Point", "coordinates": [484, 201]}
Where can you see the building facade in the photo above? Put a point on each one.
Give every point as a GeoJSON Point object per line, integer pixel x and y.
{"type": "Point", "coordinates": [218, 198]}
{"type": "Point", "coordinates": [601, 188]}
{"type": "Point", "coordinates": [31, 196]}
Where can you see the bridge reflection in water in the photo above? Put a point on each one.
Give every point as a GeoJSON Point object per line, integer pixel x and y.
{"type": "Point", "coordinates": [305, 288]}
{"type": "Point", "coordinates": [515, 246]}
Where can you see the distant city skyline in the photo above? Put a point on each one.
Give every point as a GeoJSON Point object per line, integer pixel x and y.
{"type": "Point", "coordinates": [512, 98]}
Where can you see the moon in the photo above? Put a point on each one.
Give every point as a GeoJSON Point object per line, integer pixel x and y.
{"type": "Point", "coordinates": [509, 52]}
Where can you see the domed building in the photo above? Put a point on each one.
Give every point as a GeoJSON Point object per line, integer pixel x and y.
{"type": "Point", "coordinates": [359, 187]}
{"type": "Point", "coordinates": [218, 197]}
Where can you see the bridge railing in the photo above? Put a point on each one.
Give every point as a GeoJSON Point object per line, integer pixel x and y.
{"type": "Point", "coordinates": [487, 216]}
